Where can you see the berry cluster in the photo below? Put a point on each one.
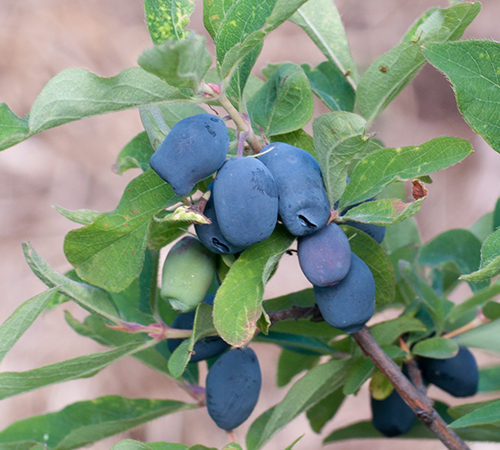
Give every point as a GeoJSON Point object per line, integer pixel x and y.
{"type": "Point", "coordinates": [248, 197]}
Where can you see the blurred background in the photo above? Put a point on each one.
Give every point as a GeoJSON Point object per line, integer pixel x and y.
{"type": "Point", "coordinates": [71, 166]}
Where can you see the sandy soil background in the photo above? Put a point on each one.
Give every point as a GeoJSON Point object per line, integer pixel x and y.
{"type": "Point", "coordinates": [71, 166]}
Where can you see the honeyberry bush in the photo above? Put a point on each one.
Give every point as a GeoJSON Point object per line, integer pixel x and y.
{"type": "Point", "coordinates": [116, 254]}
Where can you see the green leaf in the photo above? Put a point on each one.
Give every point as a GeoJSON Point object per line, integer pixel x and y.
{"type": "Point", "coordinates": [323, 411]}
{"type": "Point", "coordinates": [390, 73]}
{"type": "Point", "coordinates": [76, 94]}
{"type": "Point", "coordinates": [489, 414]}
{"type": "Point", "coordinates": [238, 303]}
{"type": "Point", "coordinates": [492, 310]}
{"type": "Point", "coordinates": [459, 246]}
{"type": "Point", "coordinates": [163, 233]}
{"type": "Point", "coordinates": [295, 342]}
{"type": "Point", "coordinates": [472, 66]}
{"type": "Point", "coordinates": [377, 261]}
{"type": "Point", "coordinates": [360, 372]}
{"type": "Point", "coordinates": [135, 155]}
{"type": "Point", "coordinates": [387, 332]}
{"type": "Point", "coordinates": [13, 129]}
{"type": "Point", "coordinates": [321, 20]}
{"type": "Point", "coordinates": [241, 34]}
{"type": "Point", "coordinates": [21, 319]}
{"type": "Point", "coordinates": [436, 348]}
{"type": "Point", "coordinates": [202, 327]}
{"type": "Point", "coordinates": [14, 383]}
{"type": "Point", "coordinates": [481, 337]}
{"type": "Point", "coordinates": [383, 212]}
{"type": "Point", "coordinates": [483, 227]}
{"type": "Point", "coordinates": [319, 382]}
{"type": "Point", "coordinates": [87, 296]}
{"type": "Point", "coordinates": [490, 260]}
{"type": "Point", "coordinates": [129, 444]}
{"type": "Point", "coordinates": [109, 253]}
{"type": "Point", "coordinates": [297, 138]}
{"type": "Point", "coordinates": [329, 83]}
{"type": "Point", "coordinates": [338, 138]}
{"type": "Point", "coordinates": [85, 422]}
{"type": "Point", "coordinates": [291, 364]}
{"type": "Point", "coordinates": [232, 446]}
{"type": "Point", "coordinates": [425, 293]}
{"type": "Point", "coordinates": [167, 19]}
{"type": "Point", "coordinates": [284, 103]}
{"type": "Point", "coordinates": [489, 379]}
{"type": "Point", "coordinates": [180, 63]}
{"type": "Point", "coordinates": [382, 167]}
{"type": "Point", "coordinates": [81, 216]}
{"type": "Point", "coordinates": [214, 12]}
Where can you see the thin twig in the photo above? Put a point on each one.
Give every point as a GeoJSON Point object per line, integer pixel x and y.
{"type": "Point", "coordinates": [418, 402]}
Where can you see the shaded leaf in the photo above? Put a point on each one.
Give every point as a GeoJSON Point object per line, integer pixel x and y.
{"type": "Point", "coordinates": [489, 379]}
{"type": "Point", "coordinates": [284, 103]}
{"type": "Point", "coordinates": [490, 260]}
{"type": "Point", "coordinates": [181, 63]}
{"type": "Point", "coordinates": [329, 83]}
{"type": "Point", "coordinates": [437, 348]}
{"type": "Point", "coordinates": [109, 253]}
{"type": "Point", "coordinates": [238, 302]}
{"type": "Point", "coordinates": [471, 66]}
{"type": "Point", "coordinates": [87, 296]}
{"type": "Point", "coordinates": [135, 155]}
{"type": "Point", "coordinates": [480, 337]}
{"type": "Point", "coordinates": [295, 342]}
{"type": "Point", "coordinates": [382, 167]}
{"type": "Point", "coordinates": [297, 138]}
{"type": "Point", "coordinates": [167, 19]}
{"type": "Point", "coordinates": [14, 383]}
{"type": "Point", "coordinates": [85, 422]}
{"type": "Point", "coordinates": [323, 411]}
{"type": "Point", "coordinates": [291, 364]}
{"type": "Point", "coordinates": [390, 73]}
{"type": "Point", "coordinates": [21, 319]}
{"type": "Point", "coordinates": [387, 332]}
{"type": "Point", "coordinates": [485, 415]}
{"type": "Point", "coordinates": [321, 20]}
{"type": "Point", "coordinates": [483, 227]}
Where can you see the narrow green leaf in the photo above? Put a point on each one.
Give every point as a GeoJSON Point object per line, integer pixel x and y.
{"type": "Point", "coordinates": [490, 260]}
{"type": "Point", "coordinates": [321, 20]}
{"type": "Point", "coordinates": [13, 129]}
{"type": "Point", "coordinates": [85, 422]}
{"type": "Point", "coordinates": [382, 167]}
{"type": "Point", "coordinates": [338, 138]}
{"type": "Point", "coordinates": [180, 63]}
{"type": "Point", "coordinates": [489, 379]}
{"type": "Point", "coordinates": [135, 155]}
{"type": "Point", "coordinates": [81, 216]}
{"type": "Point", "coordinates": [459, 246]}
{"type": "Point", "coordinates": [329, 83]}
{"type": "Point", "coordinates": [383, 212]}
{"type": "Point", "coordinates": [202, 327]}
{"type": "Point", "coordinates": [437, 348]}
{"type": "Point", "coordinates": [472, 68]}
{"type": "Point", "coordinates": [480, 337]}
{"type": "Point", "coordinates": [129, 444]}
{"type": "Point", "coordinates": [14, 383]}
{"type": "Point", "coordinates": [377, 261]}
{"type": "Point", "coordinates": [109, 253]}
{"type": "Point", "coordinates": [291, 341]}
{"type": "Point", "coordinates": [284, 103]}
{"type": "Point", "coordinates": [291, 364]}
{"type": "Point", "coordinates": [88, 297]}
{"type": "Point", "coordinates": [323, 411]}
{"type": "Point", "coordinates": [425, 293]}
{"type": "Point", "coordinates": [167, 19]}
{"type": "Point", "coordinates": [489, 414]}
{"type": "Point", "coordinates": [484, 226]}
{"type": "Point", "coordinates": [214, 12]}
{"type": "Point", "coordinates": [387, 332]}
{"type": "Point", "coordinates": [77, 94]}
{"type": "Point", "coordinates": [390, 73]}
{"type": "Point", "coordinates": [21, 319]}
{"type": "Point", "coordinates": [360, 372]}
{"type": "Point", "coordinates": [319, 382]}
{"type": "Point", "coordinates": [238, 303]}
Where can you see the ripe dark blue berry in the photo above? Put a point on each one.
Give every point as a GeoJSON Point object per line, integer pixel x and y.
{"type": "Point", "coordinates": [392, 416]}
{"type": "Point", "coordinates": [246, 201]}
{"type": "Point", "coordinates": [349, 304]}
{"type": "Point", "coordinates": [195, 148]}
{"type": "Point", "coordinates": [233, 387]}
{"type": "Point", "coordinates": [204, 348]}
{"type": "Point", "coordinates": [458, 376]}
{"type": "Point", "coordinates": [211, 236]}
{"type": "Point", "coordinates": [325, 256]}
{"type": "Point", "coordinates": [303, 204]}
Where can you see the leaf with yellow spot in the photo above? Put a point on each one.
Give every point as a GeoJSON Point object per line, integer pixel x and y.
{"type": "Point", "coordinates": [382, 167]}
{"type": "Point", "coordinates": [167, 19]}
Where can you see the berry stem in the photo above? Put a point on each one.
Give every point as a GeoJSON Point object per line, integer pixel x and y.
{"type": "Point", "coordinates": [416, 400]}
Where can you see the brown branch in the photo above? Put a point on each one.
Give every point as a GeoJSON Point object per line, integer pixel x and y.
{"type": "Point", "coordinates": [418, 401]}
{"type": "Point", "coordinates": [296, 312]}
